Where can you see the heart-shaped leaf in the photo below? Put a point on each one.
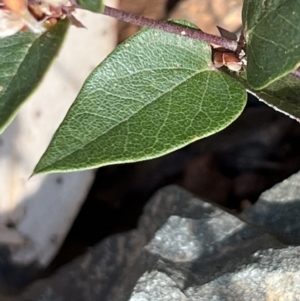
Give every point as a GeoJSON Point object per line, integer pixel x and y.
{"type": "Point", "coordinates": [92, 5]}
{"type": "Point", "coordinates": [272, 31]}
{"type": "Point", "coordinates": [24, 58]}
{"type": "Point", "coordinates": [155, 93]}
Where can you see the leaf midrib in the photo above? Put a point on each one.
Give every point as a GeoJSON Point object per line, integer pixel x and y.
{"type": "Point", "coordinates": [128, 118]}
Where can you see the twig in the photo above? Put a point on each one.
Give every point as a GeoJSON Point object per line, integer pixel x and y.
{"type": "Point", "coordinates": [170, 27]}
{"type": "Point", "coordinates": [176, 29]}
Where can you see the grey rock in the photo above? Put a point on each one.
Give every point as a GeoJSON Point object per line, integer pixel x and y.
{"type": "Point", "coordinates": [220, 265]}
{"type": "Point", "coordinates": [191, 253]}
{"type": "Point", "coordinates": [183, 249]}
{"type": "Point", "coordinates": [278, 210]}
{"type": "Point", "coordinates": [14, 276]}
{"type": "Point", "coordinates": [110, 270]}
{"type": "Point", "coordinates": [159, 287]}
{"type": "Point", "coordinates": [266, 275]}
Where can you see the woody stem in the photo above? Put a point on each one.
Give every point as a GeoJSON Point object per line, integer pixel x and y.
{"type": "Point", "coordinates": [170, 27]}
{"type": "Point", "coordinates": [181, 30]}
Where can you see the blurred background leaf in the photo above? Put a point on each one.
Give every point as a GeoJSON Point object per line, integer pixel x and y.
{"type": "Point", "coordinates": [92, 5]}
{"type": "Point", "coordinates": [24, 58]}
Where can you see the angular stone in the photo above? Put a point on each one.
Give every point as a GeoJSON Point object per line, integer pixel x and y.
{"type": "Point", "coordinates": [194, 252]}
{"type": "Point", "coordinates": [277, 210]}
{"type": "Point", "coordinates": [271, 274]}
{"type": "Point", "coordinates": [110, 270]}
{"type": "Point", "coordinates": [184, 249]}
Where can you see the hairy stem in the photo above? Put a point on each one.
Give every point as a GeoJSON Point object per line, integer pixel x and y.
{"type": "Point", "coordinates": [170, 27]}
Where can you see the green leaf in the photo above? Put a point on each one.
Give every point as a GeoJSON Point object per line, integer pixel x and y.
{"type": "Point", "coordinates": [92, 5]}
{"type": "Point", "coordinates": [282, 95]}
{"type": "Point", "coordinates": [272, 30]}
{"type": "Point", "coordinates": [155, 93]}
{"type": "Point", "coordinates": [24, 58]}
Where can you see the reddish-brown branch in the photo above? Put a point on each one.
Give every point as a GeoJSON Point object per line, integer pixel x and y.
{"type": "Point", "coordinates": [170, 27]}
{"type": "Point", "coordinates": [176, 29]}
